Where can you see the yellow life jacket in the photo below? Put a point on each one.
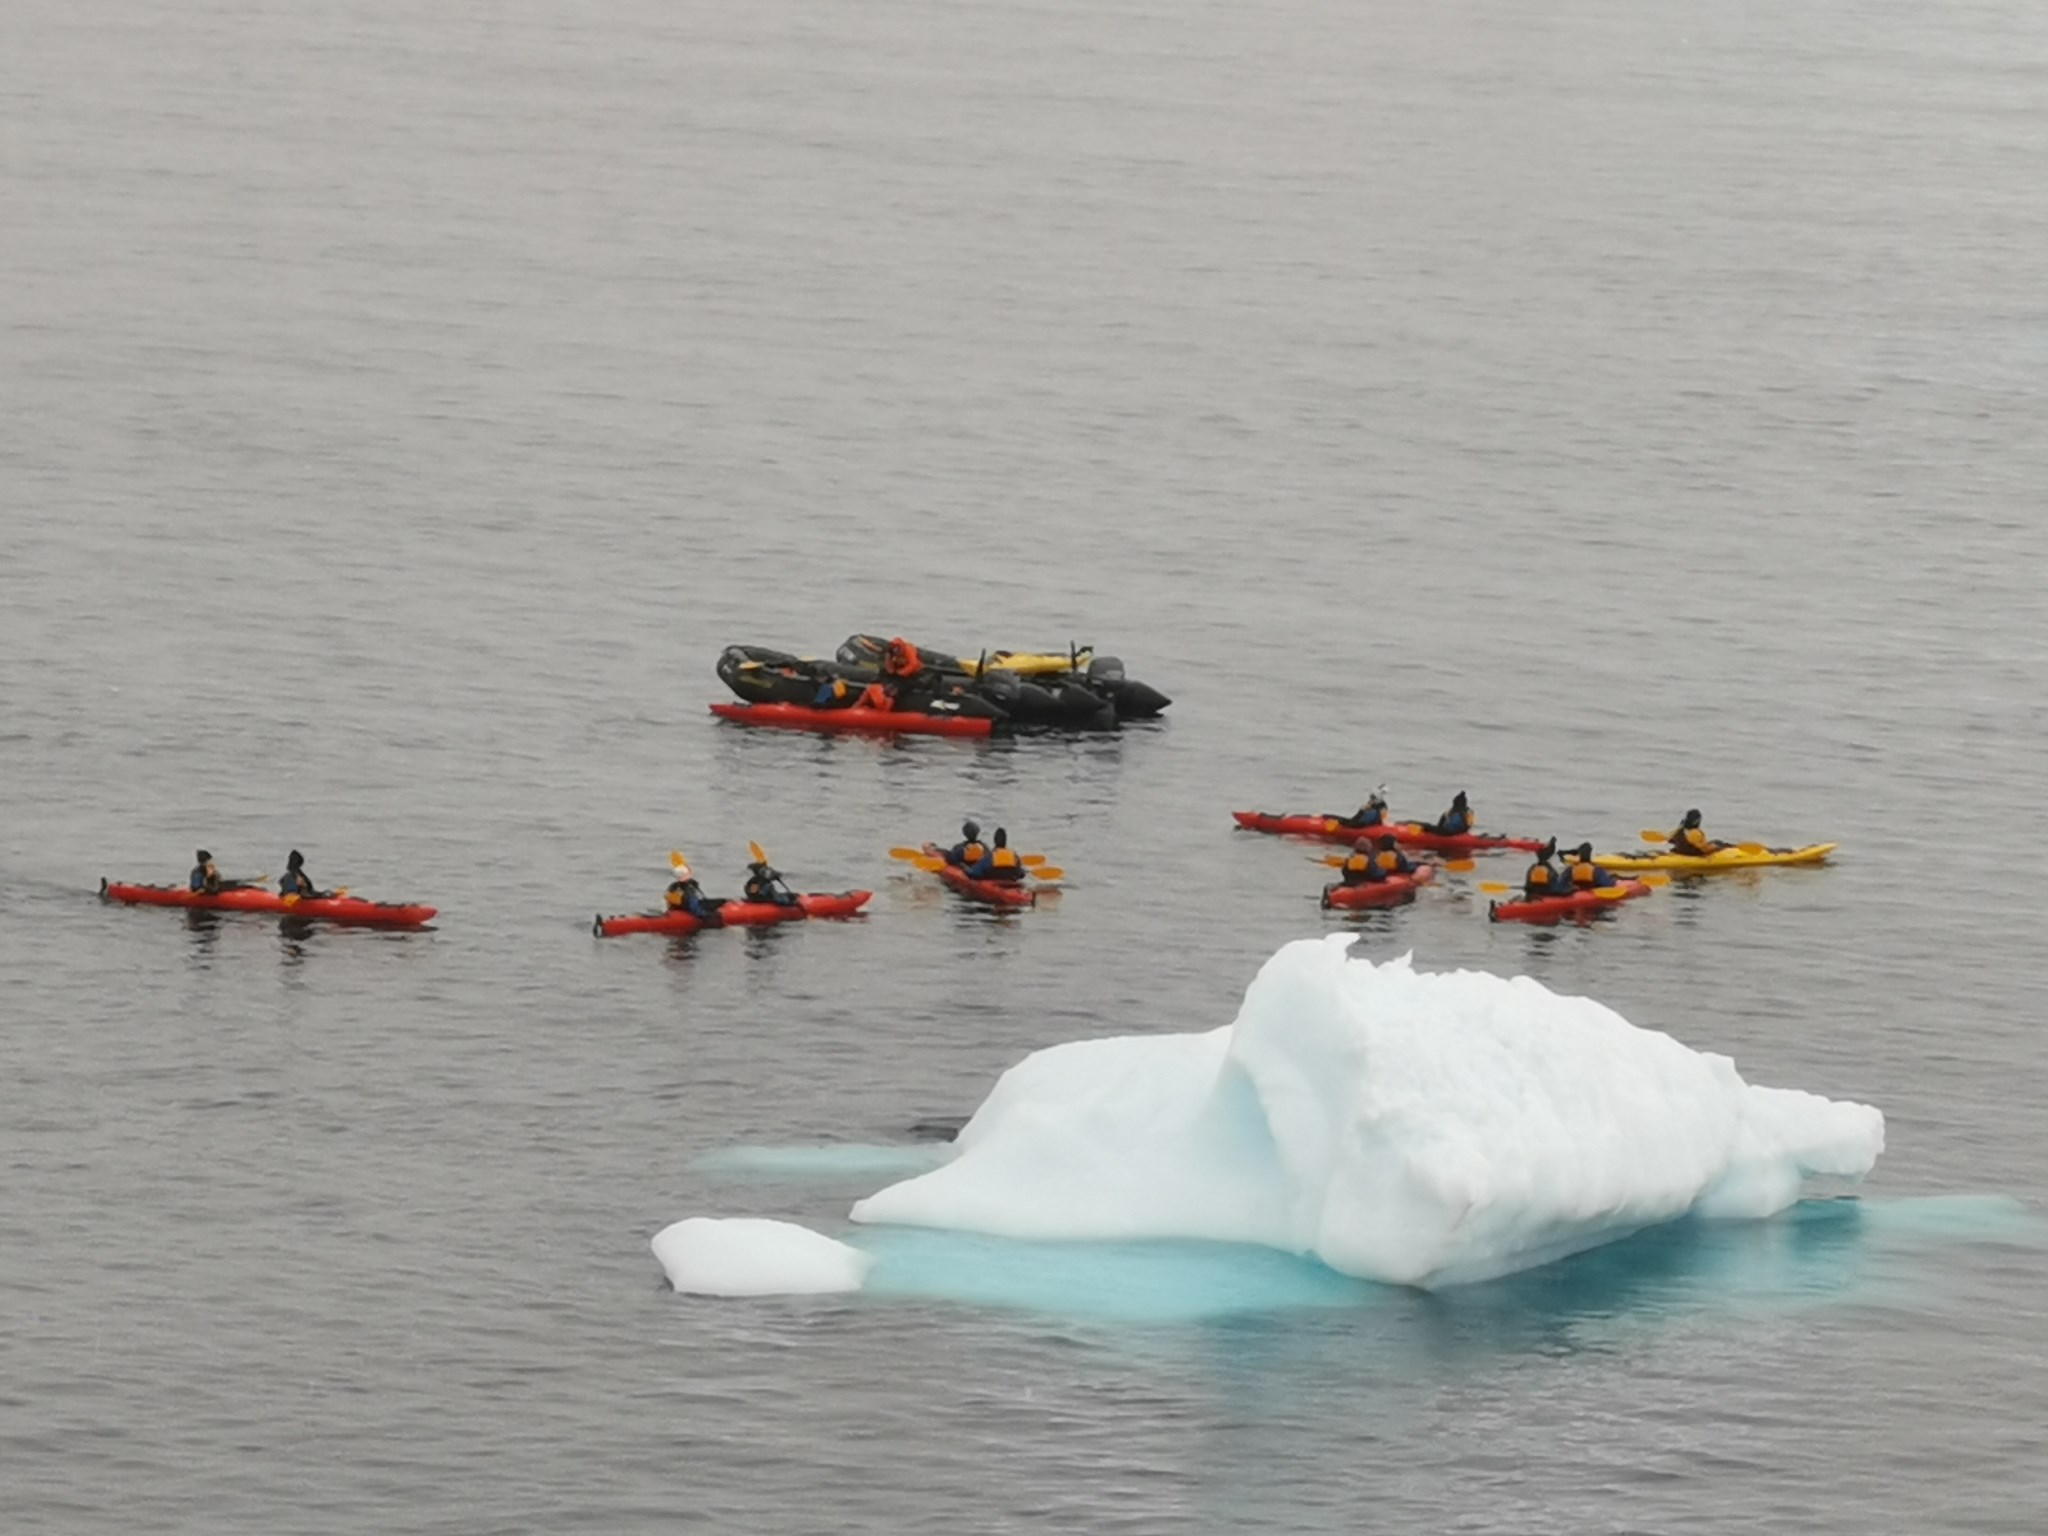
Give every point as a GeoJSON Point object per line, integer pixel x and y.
{"type": "Point", "coordinates": [972, 853]}
{"type": "Point", "coordinates": [1585, 874]}
{"type": "Point", "coordinates": [1005, 858]}
{"type": "Point", "coordinates": [1389, 859]}
{"type": "Point", "coordinates": [1358, 863]}
{"type": "Point", "coordinates": [1539, 875]}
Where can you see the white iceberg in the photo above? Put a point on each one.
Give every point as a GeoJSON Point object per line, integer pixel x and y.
{"type": "Point", "coordinates": [1419, 1129]}
{"type": "Point", "coordinates": [749, 1256]}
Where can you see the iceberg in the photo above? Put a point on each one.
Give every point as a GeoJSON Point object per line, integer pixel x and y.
{"type": "Point", "coordinates": [1420, 1129]}
{"type": "Point", "coordinates": [749, 1256]}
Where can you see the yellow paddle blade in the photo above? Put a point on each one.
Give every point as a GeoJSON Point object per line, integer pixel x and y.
{"type": "Point", "coordinates": [755, 850]}
{"type": "Point", "coordinates": [924, 861]}
{"type": "Point", "coordinates": [1033, 858]}
{"type": "Point", "coordinates": [1609, 892]}
{"type": "Point", "coordinates": [292, 900]}
{"type": "Point", "coordinates": [1460, 865]}
{"type": "Point", "coordinates": [1652, 877]}
{"type": "Point", "coordinates": [1649, 836]}
{"type": "Point", "coordinates": [908, 855]}
{"type": "Point", "coordinates": [1047, 872]}
{"type": "Point", "coordinates": [676, 860]}
{"type": "Point", "coordinates": [1495, 887]}
{"type": "Point", "coordinates": [337, 893]}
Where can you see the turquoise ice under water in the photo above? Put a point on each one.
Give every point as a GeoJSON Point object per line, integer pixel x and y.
{"type": "Point", "coordinates": [1862, 1249]}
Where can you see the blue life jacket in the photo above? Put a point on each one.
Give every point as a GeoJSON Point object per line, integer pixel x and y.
{"type": "Point", "coordinates": [294, 882]}
{"type": "Point", "coordinates": [198, 877]}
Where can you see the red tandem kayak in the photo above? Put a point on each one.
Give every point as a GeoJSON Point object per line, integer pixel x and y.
{"type": "Point", "coordinates": [997, 893]}
{"type": "Point", "coordinates": [1390, 892]}
{"type": "Point", "coordinates": [1548, 909]}
{"type": "Point", "coordinates": [878, 722]}
{"type": "Point", "coordinates": [737, 914]}
{"type": "Point", "coordinates": [1406, 833]}
{"type": "Point", "coordinates": [352, 910]}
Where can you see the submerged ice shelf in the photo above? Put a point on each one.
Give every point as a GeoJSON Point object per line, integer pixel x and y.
{"type": "Point", "coordinates": [1422, 1129]}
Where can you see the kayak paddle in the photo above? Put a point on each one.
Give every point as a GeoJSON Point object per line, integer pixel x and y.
{"type": "Point", "coordinates": [334, 895]}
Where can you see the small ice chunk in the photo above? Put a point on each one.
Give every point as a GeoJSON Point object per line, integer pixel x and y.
{"type": "Point", "coordinates": [750, 1256]}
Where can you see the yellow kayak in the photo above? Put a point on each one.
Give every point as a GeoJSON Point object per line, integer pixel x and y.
{"type": "Point", "coordinates": [1735, 857]}
{"type": "Point", "coordinates": [1029, 663]}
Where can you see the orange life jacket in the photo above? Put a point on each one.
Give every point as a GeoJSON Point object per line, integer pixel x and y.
{"type": "Point", "coordinates": [1005, 858]}
{"type": "Point", "coordinates": [1358, 863]}
{"type": "Point", "coordinates": [1539, 875]}
{"type": "Point", "coordinates": [901, 659]}
{"type": "Point", "coordinates": [1585, 873]}
{"type": "Point", "coordinates": [875, 696]}
{"type": "Point", "coordinates": [1389, 859]}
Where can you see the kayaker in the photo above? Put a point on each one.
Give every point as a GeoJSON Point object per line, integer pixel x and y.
{"type": "Point", "coordinates": [1361, 866]}
{"type": "Point", "coordinates": [966, 853]}
{"type": "Point", "coordinates": [1000, 862]}
{"type": "Point", "coordinates": [1457, 820]}
{"type": "Point", "coordinates": [686, 895]}
{"type": "Point", "coordinates": [295, 881]}
{"type": "Point", "coordinates": [1542, 878]}
{"type": "Point", "coordinates": [205, 877]}
{"type": "Point", "coordinates": [1691, 838]}
{"type": "Point", "coordinates": [1371, 814]}
{"type": "Point", "coordinates": [1584, 874]}
{"type": "Point", "coordinates": [765, 884]}
{"type": "Point", "coordinates": [1390, 859]}
{"type": "Point", "coordinates": [901, 660]}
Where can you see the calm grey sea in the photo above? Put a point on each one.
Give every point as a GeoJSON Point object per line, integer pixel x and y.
{"type": "Point", "coordinates": [1605, 406]}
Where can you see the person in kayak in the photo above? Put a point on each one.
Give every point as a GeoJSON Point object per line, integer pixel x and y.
{"type": "Point", "coordinates": [1390, 859]}
{"type": "Point", "coordinates": [1542, 878]}
{"type": "Point", "coordinates": [1000, 863]}
{"type": "Point", "coordinates": [1691, 838]}
{"type": "Point", "coordinates": [1361, 866]}
{"type": "Point", "coordinates": [1457, 821]}
{"type": "Point", "coordinates": [1371, 814]}
{"type": "Point", "coordinates": [841, 694]}
{"type": "Point", "coordinates": [205, 877]}
{"type": "Point", "coordinates": [966, 853]}
{"type": "Point", "coordinates": [684, 894]}
{"type": "Point", "coordinates": [1583, 874]}
{"type": "Point", "coordinates": [295, 881]}
{"type": "Point", "coordinates": [765, 884]}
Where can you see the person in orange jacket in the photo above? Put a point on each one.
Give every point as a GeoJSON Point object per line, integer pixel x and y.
{"type": "Point", "coordinates": [1543, 878]}
{"type": "Point", "coordinates": [1692, 838]}
{"type": "Point", "coordinates": [1361, 866]}
{"type": "Point", "coordinates": [1582, 873]}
